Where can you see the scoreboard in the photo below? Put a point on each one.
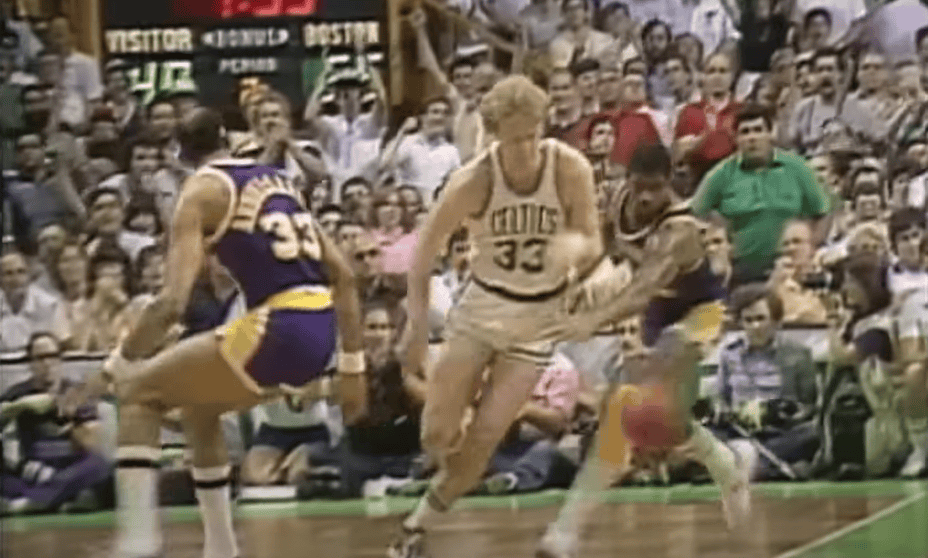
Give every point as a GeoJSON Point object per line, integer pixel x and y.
{"type": "Point", "coordinates": [207, 45]}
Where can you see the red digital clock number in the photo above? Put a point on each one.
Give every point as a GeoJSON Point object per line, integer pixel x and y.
{"type": "Point", "coordinates": [226, 9]}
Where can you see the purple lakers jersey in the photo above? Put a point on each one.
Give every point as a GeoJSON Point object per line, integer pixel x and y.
{"type": "Point", "coordinates": [269, 241]}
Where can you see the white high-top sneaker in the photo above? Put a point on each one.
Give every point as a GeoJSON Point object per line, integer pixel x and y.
{"type": "Point", "coordinates": [736, 495]}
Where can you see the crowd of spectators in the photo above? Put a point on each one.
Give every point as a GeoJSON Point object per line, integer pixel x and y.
{"type": "Point", "coordinates": [799, 140]}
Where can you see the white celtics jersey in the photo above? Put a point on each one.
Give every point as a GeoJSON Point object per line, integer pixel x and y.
{"type": "Point", "coordinates": [510, 238]}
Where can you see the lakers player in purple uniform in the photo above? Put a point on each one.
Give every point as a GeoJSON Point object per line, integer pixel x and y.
{"type": "Point", "coordinates": [681, 303]}
{"type": "Point", "coordinates": [296, 285]}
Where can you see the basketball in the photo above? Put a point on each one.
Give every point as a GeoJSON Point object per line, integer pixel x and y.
{"type": "Point", "coordinates": [652, 422]}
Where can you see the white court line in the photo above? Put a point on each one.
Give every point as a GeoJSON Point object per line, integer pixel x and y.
{"type": "Point", "coordinates": [848, 529]}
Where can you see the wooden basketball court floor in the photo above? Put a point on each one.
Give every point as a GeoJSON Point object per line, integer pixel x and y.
{"type": "Point", "coordinates": [885, 519]}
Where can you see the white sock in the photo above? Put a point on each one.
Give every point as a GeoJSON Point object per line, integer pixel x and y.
{"type": "Point", "coordinates": [137, 516]}
{"type": "Point", "coordinates": [214, 494]}
{"type": "Point", "coordinates": [918, 433]}
{"type": "Point", "coordinates": [718, 458]}
{"type": "Point", "coordinates": [583, 497]}
{"type": "Point", "coordinates": [426, 511]}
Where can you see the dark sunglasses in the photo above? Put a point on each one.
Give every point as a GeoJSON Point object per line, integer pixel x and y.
{"type": "Point", "coordinates": [366, 254]}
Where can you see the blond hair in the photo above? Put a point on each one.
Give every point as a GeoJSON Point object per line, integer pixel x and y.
{"type": "Point", "coordinates": [511, 96]}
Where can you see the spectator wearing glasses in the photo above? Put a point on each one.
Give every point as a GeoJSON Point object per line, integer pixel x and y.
{"type": "Point", "coordinates": [373, 283]}
{"type": "Point", "coordinates": [60, 461]}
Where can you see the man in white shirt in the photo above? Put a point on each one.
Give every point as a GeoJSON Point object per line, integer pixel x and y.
{"type": "Point", "coordinates": [425, 158]}
{"type": "Point", "coordinates": [81, 72]}
{"type": "Point", "coordinates": [578, 39]}
{"type": "Point", "coordinates": [25, 308]}
{"type": "Point", "coordinates": [713, 25]}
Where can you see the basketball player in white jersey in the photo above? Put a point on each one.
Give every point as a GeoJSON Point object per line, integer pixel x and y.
{"type": "Point", "coordinates": [518, 199]}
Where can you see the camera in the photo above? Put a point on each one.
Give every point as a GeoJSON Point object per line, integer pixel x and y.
{"type": "Point", "coordinates": [829, 279]}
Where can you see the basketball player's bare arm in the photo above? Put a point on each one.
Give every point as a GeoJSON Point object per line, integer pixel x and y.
{"type": "Point", "coordinates": [676, 245]}
{"type": "Point", "coordinates": [352, 386]}
{"type": "Point", "coordinates": [464, 196]}
{"type": "Point", "coordinates": [577, 190]}
{"type": "Point", "coordinates": [202, 206]}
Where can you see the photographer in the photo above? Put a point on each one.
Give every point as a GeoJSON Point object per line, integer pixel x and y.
{"type": "Point", "coordinates": [61, 459]}
{"type": "Point", "coordinates": [886, 343]}
{"type": "Point", "coordinates": [767, 383]}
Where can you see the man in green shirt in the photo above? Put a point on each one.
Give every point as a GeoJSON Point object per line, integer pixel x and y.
{"type": "Point", "coordinates": [758, 190]}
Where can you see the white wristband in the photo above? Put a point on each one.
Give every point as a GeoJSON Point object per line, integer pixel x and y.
{"type": "Point", "coordinates": [351, 363]}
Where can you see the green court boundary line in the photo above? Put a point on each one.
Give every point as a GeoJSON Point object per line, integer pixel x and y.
{"type": "Point", "coordinates": [381, 507]}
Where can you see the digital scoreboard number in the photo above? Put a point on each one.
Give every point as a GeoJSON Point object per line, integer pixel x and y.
{"type": "Point", "coordinates": [228, 9]}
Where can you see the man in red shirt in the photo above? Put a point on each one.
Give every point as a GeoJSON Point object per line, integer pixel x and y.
{"type": "Point", "coordinates": [705, 131]}
{"type": "Point", "coordinates": [636, 123]}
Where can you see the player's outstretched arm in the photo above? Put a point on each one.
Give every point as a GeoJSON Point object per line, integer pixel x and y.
{"type": "Point", "coordinates": [352, 377]}
{"type": "Point", "coordinates": [201, 208]}
{"type": "Point", "coordinates": [677, 246]}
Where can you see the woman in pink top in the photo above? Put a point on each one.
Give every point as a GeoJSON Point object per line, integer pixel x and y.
{"type": "Point", "coordinates": [396, 242]}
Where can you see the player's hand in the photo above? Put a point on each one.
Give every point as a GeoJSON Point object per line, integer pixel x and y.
{"type": "Point", "coordinates": [414, 346]}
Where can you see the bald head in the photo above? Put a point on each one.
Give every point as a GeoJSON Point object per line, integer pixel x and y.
{"type": "Point", "coordinates": [200, 134]}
